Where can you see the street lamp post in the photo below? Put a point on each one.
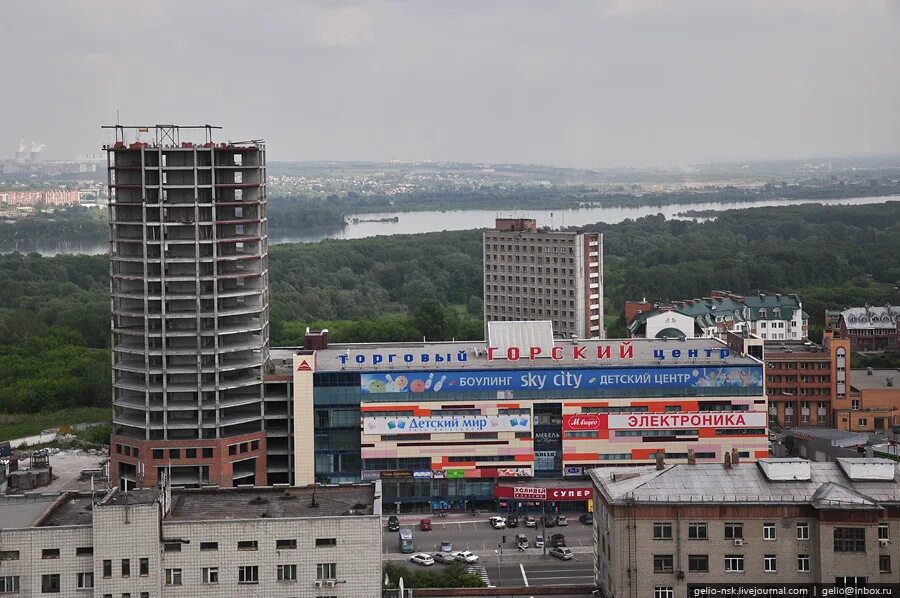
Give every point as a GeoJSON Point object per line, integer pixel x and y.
{"type": "Point", "coordinates": [543, 526]}
{"type": "Point", "coordinates": [499, 556]}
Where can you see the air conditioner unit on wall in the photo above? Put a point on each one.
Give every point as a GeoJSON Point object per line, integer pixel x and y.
{"type": "Point", "coordinates": [318, 583]}
{"type": "Point", "coordinates": [329, 583]}
{"type": "Point", "coordinates": [884, 541]}
{"type": "Point", "coordinates": [738, 541]}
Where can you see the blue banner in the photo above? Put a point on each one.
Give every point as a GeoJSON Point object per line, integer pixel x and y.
{"type": "Point", "coordinates": [563, 379]}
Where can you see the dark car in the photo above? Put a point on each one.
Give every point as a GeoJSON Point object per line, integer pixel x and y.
{"type": "Point", "coordinates": [512, 521]}
{"type": "Point", "coordinates": [425, 525]}
{"type": "Point", "coordinates": [587, 519]}
{"type": "Point", "coordinates": [557, 540]}
{"type": "Point", "coordinates": [393, 524]}
{"type": "Point", "coordinates": [549, 521]}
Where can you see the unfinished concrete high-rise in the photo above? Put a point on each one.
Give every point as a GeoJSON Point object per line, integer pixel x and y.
{"type": "Point", "coordinates": [189, 292]}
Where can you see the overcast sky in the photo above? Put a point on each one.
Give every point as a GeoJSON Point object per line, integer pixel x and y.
{"type": "Point", "coordinates": [605, 83]}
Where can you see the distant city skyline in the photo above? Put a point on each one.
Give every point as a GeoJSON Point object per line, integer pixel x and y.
{"type": "Point", "coordinates": [576, 84]}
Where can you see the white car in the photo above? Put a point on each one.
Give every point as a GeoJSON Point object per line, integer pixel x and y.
{"type": "Point", "coordinates": [497, 522]}
{"type": "Point", "coordinates": [422, 559]}
{"type": "Point", "coordinates": [465, 556]}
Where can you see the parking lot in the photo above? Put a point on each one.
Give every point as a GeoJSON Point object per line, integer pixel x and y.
{"type": "Point", "coordinates": [475, 534]}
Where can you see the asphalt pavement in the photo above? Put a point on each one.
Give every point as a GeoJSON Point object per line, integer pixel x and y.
{"type": "Point", "coordinates": [466, 532]}
{"type": "Point", "coordinates": [516, 568]}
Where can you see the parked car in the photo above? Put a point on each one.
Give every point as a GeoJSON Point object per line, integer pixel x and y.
{"type": "Point", "coordinates": [521, 540]}
{"type": "Point", "coordinates": [530, 521]}
{"type": "Point", "coordinates": [393, 524]}
{"type": "Point", "coordinates": [446, 546]}
{"type": "Point", "coordinates": [557, 540]}
{"type": "Point", "coordinates": [425, 525]}
{"type": "Point", "coordinates": [539, 541]}
{"type": "Point", "coordinates": [587, 519]}
{"type": "Point", "coordinates": [444, 557]}
{"type": "Point", "coordinates": [562, 520]}
{"type": "Point", "coordinates": [465, 556]}
{"type": "Point", "coordinates": [549, 521]}
{"type": "Point", "coordinates": [497, 522]}
{"type": "Point", "coordinates": [512, 521]}
{"type": "Point", "coordinates": [422, 559]}
{"type": "Point", "coordinates": [561, 553]}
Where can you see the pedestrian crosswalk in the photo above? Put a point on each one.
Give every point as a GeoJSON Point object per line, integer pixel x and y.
{"type": "Point", "coordinates": [480, 571]}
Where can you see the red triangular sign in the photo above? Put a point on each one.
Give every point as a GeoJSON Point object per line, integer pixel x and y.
{"type": "Point", "coordinates": [303, 367]}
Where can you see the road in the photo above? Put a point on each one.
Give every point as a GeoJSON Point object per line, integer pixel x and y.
{"type": "Point", "coordinates": [550, 572]}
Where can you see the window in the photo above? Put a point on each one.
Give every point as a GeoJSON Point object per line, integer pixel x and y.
{"type": "Point", "coordinates": [50, 583]}
{"type": "Point", "coordinates": [322, 542]}
{"type": "Point", "coordinates": [663, 592]}
{"type": "Point", "coordinates": [769, 563]}
{"type": "Point", "coordinates": [859, 580]}
{"type": "Point", "coordinates": [662, 531]}
{"type": "Point", "coordinates": [734, 531]}
{"type": "Point", "coordinates": [803, 563]}
{"type": "Point", "coordinates": [144, 567]}
{"type": "Point", "coordinates": [126, 567]}
{"type": "Point", "coordinates": [768, 531]}
{"type": "Point", "coordinates": [698, 563]}
{"type": "Point", "coordinates": [84, 551]}
{"type": "Point", "coordinates": [50, 553]}
{"type": "Point", "coordinates": [849, 539]}
{"type": "Point", "coordinates": [107, 568]}
{"type": "Point", "coordinates": [884, 563]}
{"type": "Point", "coordinates": [84, 581]}
{"type": "Point", "coordinates": [287, 573]}
{"type": "Point", "coordinates": [248, 545]}
{"type": "Point", "coordinates": [209, 575]}
{"type": "Point", "coordinates": [157, 453]}
{"type": "Point", "coordinates": [145, 594]}
{"type": "Point", "coordinates": [248, 574]}
{"type": "Point", "coordinates": [9, 584]}
{"type": "Point", "coordinates": [9, 555]}
{"type": "Point", "coordinates": [172, 547]}
{"type": "Point", "coordinates": [190, 453]}
{"type": "Point", "coordinates": [883, 533]}
{"type": "Point", "coordinates": [285, 544]}
{"type": "Point", "coordinates": [698, 531]}
{"type": "Point", "coordinates": [326, 571]}
{"type": "Point", "coordinates": [803, 531]}
{"type": "Point", "coordinates": [174, 453]}
{"type": "Point", "coordinates": [734, 563]}
{"type": "Point", "coordinates": [173, 577]}
{"type": "Point", "coordinates": [207, 453]}
{"type": "Point", "coordinates": [663, 563]}
{"type": "Point", "coordinates": [209, 545]}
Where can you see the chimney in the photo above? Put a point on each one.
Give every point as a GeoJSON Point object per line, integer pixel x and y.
{"type": "Point", "coordinates": [692, 457]}
{"type": "Point", "coordinates": [660, 460]}
{"type": "Point", "coordinates": [727, 460]}
{"type": "Point", "coordinates": [735, 457]}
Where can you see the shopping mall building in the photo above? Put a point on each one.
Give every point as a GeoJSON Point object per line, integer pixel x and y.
{"type": "Point", "coordinates": [450, 424]}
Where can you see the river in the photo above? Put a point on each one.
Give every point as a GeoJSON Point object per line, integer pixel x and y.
{"type": "Point", "coordinates": [433, 221]}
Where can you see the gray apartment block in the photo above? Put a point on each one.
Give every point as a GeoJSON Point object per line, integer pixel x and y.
{"type": "Point", "coordinates": [210, 542]}
{"type": "Point", "coordinates": [660, 531]}
{"type": "Point", "coordinates": [532, 274]}
{"type": "Point", "coordinates": [189, 297]}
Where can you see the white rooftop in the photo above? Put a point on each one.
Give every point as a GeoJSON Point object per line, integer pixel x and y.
{"type": "Point", "coordinates": [782, 470]}
{"type": "Point", "coordinates": [827, 486]}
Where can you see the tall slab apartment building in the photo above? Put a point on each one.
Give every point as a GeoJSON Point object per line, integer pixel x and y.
{"type": "Point", "coordinates": [190, 322]}
{"type": "Point", "coordinates": [532, 274]}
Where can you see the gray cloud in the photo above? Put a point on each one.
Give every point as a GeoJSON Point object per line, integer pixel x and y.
{"type": "Point", "coordinates": [570, 83]}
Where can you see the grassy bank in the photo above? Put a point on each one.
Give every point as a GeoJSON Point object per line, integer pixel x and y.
{"type": "Point", "coordinates": [28, 424]}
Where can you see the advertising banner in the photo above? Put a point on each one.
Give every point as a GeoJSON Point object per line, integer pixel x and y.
{"type": "Point", "coordinates": [544, 460]}
{"type": "Point", "coordinates": [397, 474]}
{"type": "Point", "coordinates": [514, 472]}
{"type": "Point", "coordinates": [537, 493]}
{"type": "Point", "coordinates": [563, 379]}
{"type": "Point", "coordinates": [573, 471]}
{"type": "Point", "coordinates": [446, 424]}
{"type": "Point", "coordinates": [664, 421]}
